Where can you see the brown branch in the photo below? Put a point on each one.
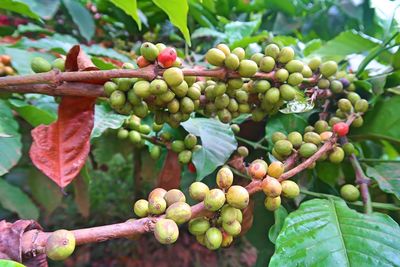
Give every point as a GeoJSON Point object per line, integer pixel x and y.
{"type": "Point", "coordinates": [363, 181]}
{"type": "Point", "coordinates": [56, 77]}
{"type": "Point", "coordinates": [65, 89]}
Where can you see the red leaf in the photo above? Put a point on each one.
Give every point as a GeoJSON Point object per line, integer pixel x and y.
{"type": "Point", "coordinates": [170, 176]}
{"type": "Point", "coordinates": [60, 149]}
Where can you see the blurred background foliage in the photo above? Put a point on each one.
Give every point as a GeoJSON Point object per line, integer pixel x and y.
{"type": "Point", "coordinates": [361, 35]}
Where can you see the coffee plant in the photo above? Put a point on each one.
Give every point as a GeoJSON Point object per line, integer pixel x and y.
{"type": "Point", "coordinates": [254, 142]}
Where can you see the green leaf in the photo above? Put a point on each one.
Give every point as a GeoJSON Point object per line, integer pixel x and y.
{"type": "Point", "coordinates": [13, 199]}
{"type": "Point", "coordinates": [328, 172]}
{"type": "Point", "coordinates": [280, 215]}
{"type": "Point", "coordinates": [107, 145]}
{"type": "Point", "coordinates": [388, 177]}
{"type": "Point", "coordinates": [177, 11]}
{"type": "Point", "coordinates": [237, 30]}
{"type": "Point", "coordinates": [81, 17]}
{"type": "Point", "coordinates": [32, 114]}
{"type": "Point", "coordinates": [105, 118]}
{"type": "Point", "coordinates": [217, 140]}
{"type": "Point", "coordinates": [346, 43]}
{"type": "Point", "coordinates": [19, 7]}
{"type": "Point", "coordinates": [102, 65]}
{"type": "Point", "coordinates": [44, 191]}
{"type": "Point", "coordinates": [10, 139]}
{"type": "Point", "coordinates": [285, 123]}
{"type": "Point", "coordinates": [130, 8]}
{"type": "Point", "coordinates": [207, 32]}
{"type": "Point", "coordinates": [44, 8]}
{"type": "Point", "coordinates": [328, 233]}
{"type": "Point", "coordinates": [381, 122]}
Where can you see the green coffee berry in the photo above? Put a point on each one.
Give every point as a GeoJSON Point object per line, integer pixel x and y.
{"type": "Point", "coordinates": [281, 75]}
{"type": "Point", "coordinates": [349, 192]}
{"type": "Point", "coordinates": [353, 97]}
{"type": "Point", "coordinates": [237, 196]}
{"type": "Point", "coordinates": [337, 155]}
{"type": "Point", "coordinates": [141, 208]}
{"type": "Point", "coordinates": [125, 84]}
{"type": "Point", "coordinates": [361, 105]}
{"type": "Point", "coordinates": [158, 87]}
{"type": "Point", "coordinates": [224, 48]}
{"type": "Point", "coordinates": [149, 51]}
{"type": "Point", "coordinates": [336, 86]}
{"type": "Point", "coordinates": [295, 79]}
{"type": "Point", "coordinates": [272, 50]}
{"type": "Point", "coordinates": [155, 152]}
{"type": "Point", "coordinates": [348, 149]}
{"type": "Point", "coordinates": [239, 52]}
{"type": "Point", "coordinates": [109, 88]}
{"type": "Point", "coordinates": [187, 105]}
{"type": "Point", "coordinates": [174, 195]}
{"type": "Point", "coordinates": [190, 141]}
{"type": "Point", "coordinates": [243, 151]}
{"type": "Point", "coordinates": [215, 57]}
{"type": "Point", "coordinates": [267, 64]}
{"type": "Point", "coordinates": [294, 66]}
{"type": "Point", "coordinates": [271, 187]}
{"type": "Point", "coordinates": [173, 76]}
{"type": "Point", "coordinates": [198, 191]}
{"type": "Point", "coordinates": [323, 83]}
{"type": "Point", "coordinates": [228, 214]}
{"type": "Point", "coordinates": [122, 133]}
{"type": "Point", "coordinates": [283, 147]}
{"type": "Point", "coordinates": [328, 68]}
{"type": "Point", "coordinates": [213, 238]}
{"type": "Point", "coordinates": [173, 106]}
{"type": "Point", "coordinates": [185, 156]}
{"type": "Point", "coordinates": [234, 228]}
{"type": "Point", "coordinates": [39, 65]}
{"type": "Point", "coordinates": [276, 136]}
{"type": "Point", "coordinates": [272, 203]}
{"type": "Point", "coordinates": [157, 205]}
{"type": "Point", "coordinates": [166, 231]}
{"type": "Point", "coordinates": [321, 126]}
{"type": "Point", "coordinates": [312, 137]}
{"type": "Point", "coordinates": [198, 226]}
{"type": "Point", "coordinates": [295, 138]}
{"type": "Point", "coordinates": [142, 89]}
{"type": "Point", "coordinates": [307, 150]}
{"type": "Point", "coordinates": [290, 189]}
{"type": "Point", "coordinates": [117, 99]}
{"type": "Point", "coordinates": [179, 212]}
{"type": "Point", "coordinates": [286, 54]}
{"type": "Point", "coordinates": [60, 245]}
{"type": "Point", "coordinates": [181, 89]}
{"type": "Point", "coordinates": [272, 95]}
{"type": "Point", "coordinates": [59, 63]}
{"type": "Point", "coordinates": [214, 199]}
{"type": "Point", "coordinates": [261, 86]}
{"type": "Point", "coordinates": [247, 68]}
{"type": "Point", "coordinates": [224, 177]}
{"type": "Point", "coordinates": [177, 146]}
{"type": "Point", "coordinates": [358, 122]}
{"type": "Point", "coordinates": [314, 63]}
{"type": "Point", "coordinates": [287, 92]}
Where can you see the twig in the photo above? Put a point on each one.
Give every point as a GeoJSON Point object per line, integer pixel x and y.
{"type": "Point", "coordinates": [363, 181]}
{"type": "Point", "coordinates": [380, 160]}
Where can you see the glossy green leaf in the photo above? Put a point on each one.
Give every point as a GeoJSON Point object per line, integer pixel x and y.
{"type": "Point", "coordinates": [18, 6]}
{"type": "Point", "coordinates": [108, 145]}
{"type": "Point", "coordinates": [285, 123]}
{"type": "Point", "coordinates": [81, 17]}
{"type": "Point", "coordinates": [237, 30]}
{"type": "Point", "coordinates": [206, 32]}
{"type": "Point", "coordinates": [130, 8]}
{"type": "Point", "coordinates": [177, 11]}
{"type": "Point", "coordinates": [381, 122]}
{"type": "Point", "coordinates": [328, 172]}
{"type": "Point", "coordinates": [103, 65]}
{"type": "Point", "coordinates": [280, 215]}
{"type": "Point", "coordinates": [217, 140]}
{"type": "Point", "coordinates": [105, 118]}
{"type": "Point", "coordinates": [388, 177]}
{"type": "Point", "coordinates": [328, 233]}
{"type": "Point", "coordinates": [10, 139]}
{"type": "Point", "coordinates": [32, 114]}
{"type": "Point", "coordinates": [13, 199]}
{"type": "Point", "coordinates": [44, 8]}
{"type": "Point", "coordinates": [344, 44]}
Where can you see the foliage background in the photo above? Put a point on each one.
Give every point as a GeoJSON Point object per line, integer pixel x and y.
{"type": "Point", "coordinates": [361, 35]}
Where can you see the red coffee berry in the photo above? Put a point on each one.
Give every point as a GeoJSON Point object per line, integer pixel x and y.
{"type": "Point", "coordinates": [142, 62]}
{"type": "Point", "coordinates": [341, 128]}
{"type": "Point", "coordinates": [167, 57]}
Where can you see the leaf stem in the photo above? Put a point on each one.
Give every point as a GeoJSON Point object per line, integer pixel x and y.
{"type": "Point", "coordinates": [363, 181]}
{"type": "Point", "coordinates": [255, 145]}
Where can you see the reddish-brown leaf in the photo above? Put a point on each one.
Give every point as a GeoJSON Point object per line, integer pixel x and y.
{"type": "Point", "coordinates": [170, 176]}
{"type": "Point", "coordinates": [60, 149]}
